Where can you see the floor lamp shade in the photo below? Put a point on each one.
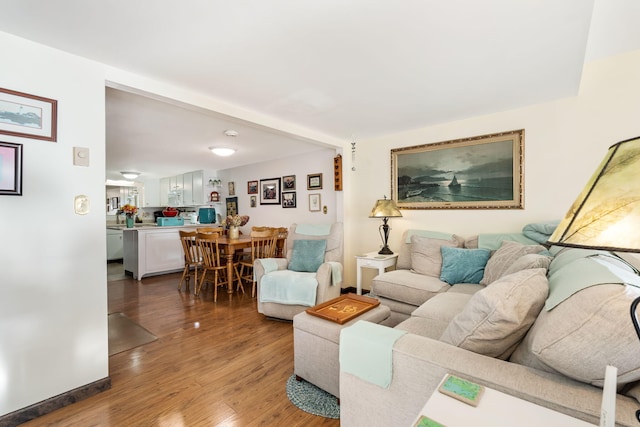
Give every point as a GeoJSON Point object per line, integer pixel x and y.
{"type": "Point", "coordinates": [606, 214]}
{"type": "Point", "coordinates": [385, 209]}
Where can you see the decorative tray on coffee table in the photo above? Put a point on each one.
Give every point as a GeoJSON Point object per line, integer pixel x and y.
{"type": "Point", "coordinates": [344, 308]}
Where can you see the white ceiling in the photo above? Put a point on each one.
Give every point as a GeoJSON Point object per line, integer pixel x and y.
{"type": "Point", "coordinates": [340, 68]}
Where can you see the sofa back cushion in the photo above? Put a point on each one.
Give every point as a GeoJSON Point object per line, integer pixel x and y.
{"type": "Point", "coordinates": [426, 256]}
{"type": "Point", "coordinates": [497, 317]}
{"type": "Point", "coordinates": [404, 252]}
{"type": "Point", "coordinates": [583, 334]}
{"type": "Point", "coordinates": [508, 253]}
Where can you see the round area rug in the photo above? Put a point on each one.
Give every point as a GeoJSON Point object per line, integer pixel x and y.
{"type": "Point", "coordinates": [312, 399]}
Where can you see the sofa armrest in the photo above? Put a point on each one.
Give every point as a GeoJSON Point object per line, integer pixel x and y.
{"type": "Point", "coordinates": [419, 364]}
{"type": "Point", "coordinates": [258, 268]}
{"type": "Point", "coordinates": [326, 288]}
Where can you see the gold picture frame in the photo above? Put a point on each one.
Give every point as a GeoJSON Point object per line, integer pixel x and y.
{"type": "Point", "coordinates": [481, 172]}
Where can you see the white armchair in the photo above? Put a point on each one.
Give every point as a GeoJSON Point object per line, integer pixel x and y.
{"type": "Point", "coordinates": [328, 275]}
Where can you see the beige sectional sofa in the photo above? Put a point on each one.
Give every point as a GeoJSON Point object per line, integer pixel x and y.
{"type": "Point", "coordinates": [540, 325]}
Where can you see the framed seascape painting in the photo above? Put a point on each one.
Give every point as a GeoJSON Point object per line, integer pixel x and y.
{"type": "Point", "coordinates": [481, 172]}
{"type": "Point", "coordinates": [270, 191]}
{"type": "Point", "coordinates": [10, 169]}
{"type": "Point", "coordinates": [28, 116]}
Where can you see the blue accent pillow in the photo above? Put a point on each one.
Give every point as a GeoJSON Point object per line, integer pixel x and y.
{"type": "Point", "coordinates": [307, 255]}
{"type": "Point", "coordinates": [463, 265]}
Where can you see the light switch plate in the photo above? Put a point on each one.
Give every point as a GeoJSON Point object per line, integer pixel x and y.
{"type": "Point", "coordinates": [81, 204]}
{"type": "Point", "coordinates": [80, 156]}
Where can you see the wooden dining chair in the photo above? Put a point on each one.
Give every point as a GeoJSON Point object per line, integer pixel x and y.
{"type": "Point", "coordinates": [208, 247]}
{"type": "Point", "coordinates": [219, 230]}
{"type": "Point", "coordinates": [192, 258]}
{"type": "Point", "coordinates": [281, 242]}
{"type": "Point", "coordinates": [263, 245]}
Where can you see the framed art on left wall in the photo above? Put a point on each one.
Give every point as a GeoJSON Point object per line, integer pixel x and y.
{"type": "Point", "coordinates": [28, 116]}
{"type": "Point", "coordinates": [10, 169]}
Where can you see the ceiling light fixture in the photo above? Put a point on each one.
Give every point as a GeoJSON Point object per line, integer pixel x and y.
{"type": "Point", "coordinates": [231, 132]}
{"type": "Point", "coordinates": [222, 151]}
{"type": "Point", "coordinates": [130, 175]}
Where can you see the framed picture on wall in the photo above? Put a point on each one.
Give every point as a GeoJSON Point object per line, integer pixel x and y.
{"type": "Point", "coordinates": [232, 205]}
{"type": "Point", "coordinates": [252, 187]}
{"type": "Point", "coordinates": [10, 169]}
{"type": "Point", "coordinates": [270, 191]}
{"type": "Point", "coordinates": [480, 172]}
{"type": "Point", "coordinates": [232, 188]}
{"type": "Point", "coordinates": [314, 202]}
{"type": "Point", "coordinates": [314, 181]}
{"type": "Point", "coordinates": [253, 201]}
{"type": "Point", "coordinates": [288, 182]}
{"type": "Point", "coordinates": [289, 199]}
{"type": "Point", "coordinates": [28, 116]}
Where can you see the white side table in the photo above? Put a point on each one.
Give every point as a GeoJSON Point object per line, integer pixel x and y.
{"type": "Point", "coordinates": [495, 409]}
{"type": "Point", "coordinates": [373, 260]}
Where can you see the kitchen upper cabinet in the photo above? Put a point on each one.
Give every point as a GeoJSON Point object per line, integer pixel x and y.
{"type": "Point", "coordinates": [165, 186]}
{"type": "Point", "coordinates": [152, 193]}
{"type": "Point", "coordinates": [183, 190]}
{"type": "Point", "coordinates": [193, 193]}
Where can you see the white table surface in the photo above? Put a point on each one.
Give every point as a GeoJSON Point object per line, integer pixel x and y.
{"type": "Point", "coordinates": [495, 409]}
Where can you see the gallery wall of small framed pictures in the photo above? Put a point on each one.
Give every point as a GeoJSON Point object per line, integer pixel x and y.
{"type": "Point", "coordinates": [281, 191]}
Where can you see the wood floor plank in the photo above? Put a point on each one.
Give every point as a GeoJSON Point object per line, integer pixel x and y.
{"type": "Point", "coordinates": [213, 364]}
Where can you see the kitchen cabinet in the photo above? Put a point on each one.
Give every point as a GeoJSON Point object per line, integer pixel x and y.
{"type": "Point", "coordinates": [114, 245]}
{"type": "Point", "coordinates": [152, 193]}
{"type": "Point", "coordinates": [165, 185]}
{"type": "Point", "coordinates": [153, 250]}
{"type": "Point", "coordinates": [193, 188]}
{"type": "Point", "coordinates": [183, 190]}
{"type": "Point", "coordinates": [176, 188]}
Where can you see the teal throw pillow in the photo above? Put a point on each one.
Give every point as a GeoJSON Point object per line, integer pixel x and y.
{"type": "Point", "coordinates": [463, 265]}
{"type": "Point", "coordinates": [307, 255]}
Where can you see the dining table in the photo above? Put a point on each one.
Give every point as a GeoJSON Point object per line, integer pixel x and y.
{"type": "Point", "coordinates": [230, 246]}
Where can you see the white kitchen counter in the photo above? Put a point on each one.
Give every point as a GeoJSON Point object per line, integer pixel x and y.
{"type": "Point", "coordinates": [151, 250]}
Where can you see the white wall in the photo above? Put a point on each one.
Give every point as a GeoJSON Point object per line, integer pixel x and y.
{"type": "Point", "coordinates": [564, 142]}
{"type": "Point", "coordinates": [53, 283]}
{"type": "Point", "coordinates": [320, 161]}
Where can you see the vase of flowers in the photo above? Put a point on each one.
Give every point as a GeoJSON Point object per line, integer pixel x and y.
{"type": "Point", "coordinates": [129, 211]}
{"type": "Point", "coordinates": [233, 222]}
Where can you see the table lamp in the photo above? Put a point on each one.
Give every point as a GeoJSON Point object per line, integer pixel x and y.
{"type": "Point", "coordinates": [606, 214]}
{"type": "Point", "coordinates": [385, 209]}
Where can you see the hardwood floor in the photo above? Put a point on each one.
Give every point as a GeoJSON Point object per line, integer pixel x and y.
{"type": "Point", "coordinates": [220, 364]}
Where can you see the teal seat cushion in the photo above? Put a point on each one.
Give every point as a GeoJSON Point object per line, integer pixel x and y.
{"type": "Point", "coordinates": [307, 255]}
{"type": "Point", "coordinates": [463, 265]}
